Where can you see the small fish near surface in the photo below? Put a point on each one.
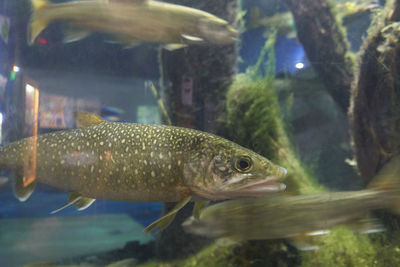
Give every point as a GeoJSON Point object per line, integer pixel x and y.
{"type": "Point", "coordinates": [138, 162]}
{"type": "Point", "coordinates": [279, 216]}
{"type": "Point", "coordinates": [133, 21]}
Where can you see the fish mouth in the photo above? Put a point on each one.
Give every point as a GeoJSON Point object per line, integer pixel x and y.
{"type": "Point", "coordinates": [267, 185]}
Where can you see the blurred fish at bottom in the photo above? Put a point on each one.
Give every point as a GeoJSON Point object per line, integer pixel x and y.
{"type": "Point", "coordinates": [280, 216]}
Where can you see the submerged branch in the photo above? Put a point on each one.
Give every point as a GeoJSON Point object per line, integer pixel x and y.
{"type": "Point", "coordinates": [325, 45]}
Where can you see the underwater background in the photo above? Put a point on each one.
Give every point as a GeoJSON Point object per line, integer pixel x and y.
{"type": "Point", "coordinates": [310, 85]}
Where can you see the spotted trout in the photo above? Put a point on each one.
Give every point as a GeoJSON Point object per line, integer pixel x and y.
{"type": "Point", "coordinates": [279, 216]}
{"type": "Point", "coordinates": [132, 21]}
{"type": "Point", "coordinates": [138, 162]}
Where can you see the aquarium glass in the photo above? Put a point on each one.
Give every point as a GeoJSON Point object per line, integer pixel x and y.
{"type": "Point", "coordinates": [199, 133]}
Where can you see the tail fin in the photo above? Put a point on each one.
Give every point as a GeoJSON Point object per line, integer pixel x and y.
{"type": "Point", "coordinates": [37, 24]}
{"type": "Point", "coordinates": [388, 179]}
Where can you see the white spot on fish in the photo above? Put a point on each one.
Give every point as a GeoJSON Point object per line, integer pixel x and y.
{"type": "Point", "coordinates": [92, 168]}
{"type": "Point", "coordinates": [153, 174]}
{"type": "Point", "coordinates": [101, 143]}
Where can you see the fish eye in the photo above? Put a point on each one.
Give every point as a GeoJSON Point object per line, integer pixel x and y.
{"type": "Point", "coordinates": [243, 164]}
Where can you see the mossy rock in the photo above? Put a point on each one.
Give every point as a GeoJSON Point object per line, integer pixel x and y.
{"type": "Point", "coordinates": [254, 120]}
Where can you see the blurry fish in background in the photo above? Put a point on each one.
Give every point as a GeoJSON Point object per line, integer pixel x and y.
{"type": "Point", "coordinates": [279, 216]}
{"type": "Point", "coordinates": [284, 23]}
{"type": "Point", "coordinates": [139, 162]}
{"type": "Point", "coordinates": [131, 22]}
{"type": "Point", "coordinates": [349, 11]}
{"type": "Point", "coordinates": [111, 113]}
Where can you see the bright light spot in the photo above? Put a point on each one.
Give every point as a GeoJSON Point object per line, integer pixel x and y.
{"type": "Point", "coordinates": [16, 68]}
{"type": "Point", "coordinates": [1, 119]}
{"type": "Point", "coordinates": [299, 65]}
{"type": "Point", "coordinates": [29, 89]}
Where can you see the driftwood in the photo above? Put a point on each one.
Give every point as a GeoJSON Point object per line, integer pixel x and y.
{"type": "Point", "coordinates": [325, 45]}
{"type": "Point", "coordinates": [375, 97]}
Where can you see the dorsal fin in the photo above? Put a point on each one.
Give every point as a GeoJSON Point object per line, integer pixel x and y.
{"type": "Point", "coordinates": [85, 119]}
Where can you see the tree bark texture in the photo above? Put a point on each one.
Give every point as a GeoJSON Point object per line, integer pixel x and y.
{"type": "Point", "coordinates": [325, 45]}
{"type": "Point", "coordinates": [375, 98]}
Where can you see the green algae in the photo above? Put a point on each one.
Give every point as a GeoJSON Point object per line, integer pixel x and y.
{"type": "Point", "coordinates": [342, 247]}
{"type": "Point", "coordinates": [253, 119]}
{"type": "Point", "coordinates": [213, 255]}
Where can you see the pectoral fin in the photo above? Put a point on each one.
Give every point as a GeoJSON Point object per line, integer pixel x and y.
{"type": "Point", "coordinates": [302, 242]}
{"type": "Point", "coordinates": [366, 225]}
{"type": "Point", "coordinates": [227, 241]}
{"type": "Point", "coordinates": [126, 42]}
{"type": "Point", "coordinates": [23, 187]}
{"type": "Point", "coordinates": [74, 34]}
{"type": "Point", "coordinates": [198, 206]}
{"type": "Point", "coordinates": [164, 221]}
{"type": "Point", "coordinates": [192, 38]}
{"type": "Point", "coordinates": [172, 47]}
{"type": "Point", "coordinates": [76, 199]}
